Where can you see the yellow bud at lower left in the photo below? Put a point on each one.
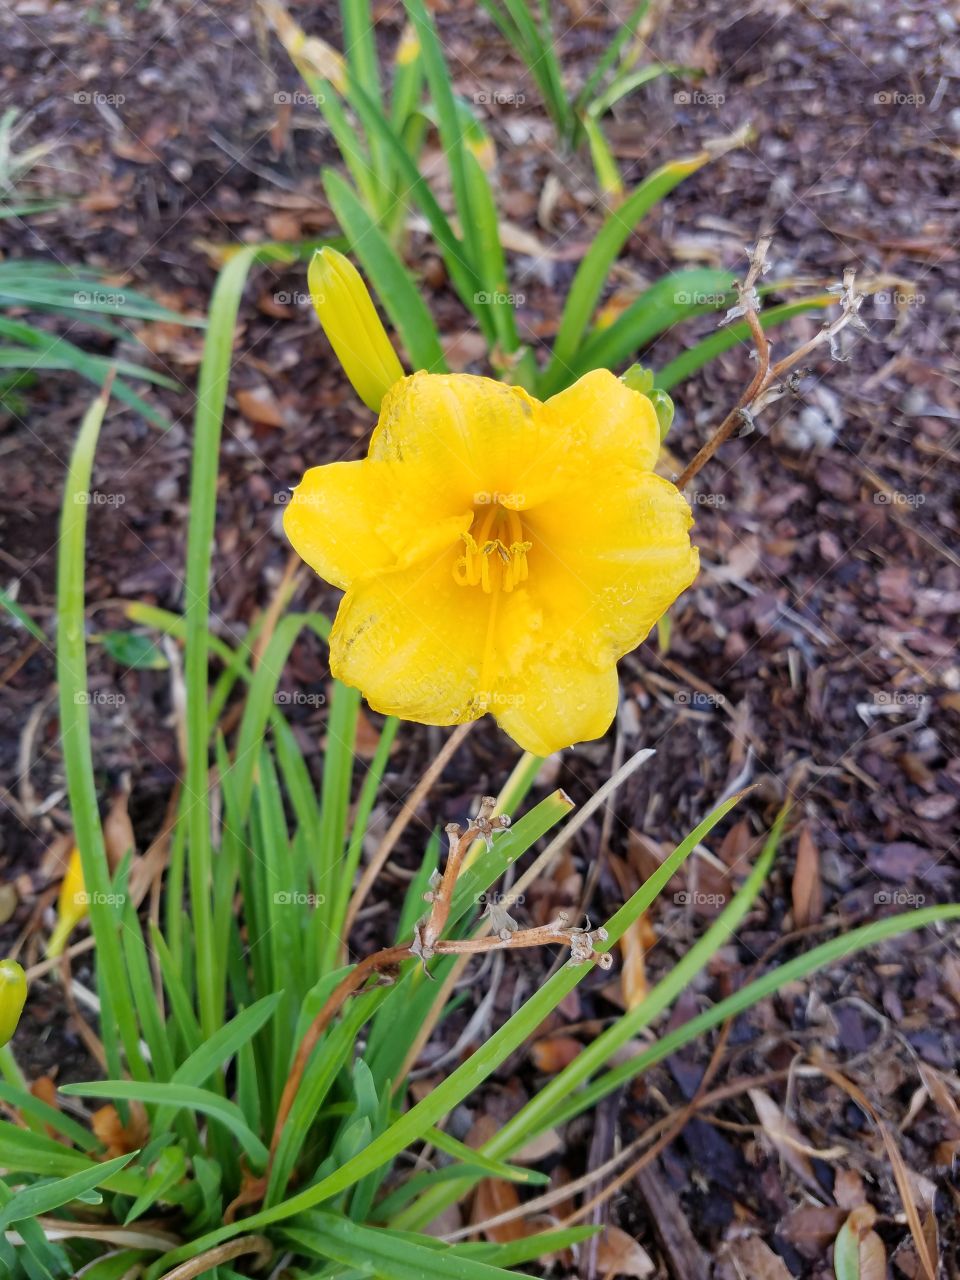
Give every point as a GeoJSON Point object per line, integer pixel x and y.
{"type": "Point", "coordinates": [13, 995]}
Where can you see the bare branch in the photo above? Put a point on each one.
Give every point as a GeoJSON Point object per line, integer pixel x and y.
{"type": "Point", "coordinates": [771, 382]}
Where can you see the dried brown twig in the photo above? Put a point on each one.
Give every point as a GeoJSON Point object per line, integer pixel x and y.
{"type": "Point", "coordinates": [771, 381]}
{"type": "Point", "coordinates": [426, 943]}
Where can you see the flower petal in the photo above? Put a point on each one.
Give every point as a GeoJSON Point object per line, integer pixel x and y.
{"type": "Point", "coordinates": [558, 701]}
{"type": "Point", "coordinates": [454, 441]}
{"type": "Point", "coordinates": [414, 642]}
{"type": "Point", "coordinates": [601, 422]}
{"type": "Point", "coordinates": [330, 524]}
{"type": "Point", "coordinates": [609, 560]}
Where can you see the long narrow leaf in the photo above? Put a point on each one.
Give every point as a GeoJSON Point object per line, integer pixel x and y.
{"type": "Point", "coordinates": [208, 421]}
{"type": "Point", "coordinates": [119, 1022]}
{"type": "Point", "coordinates": [591, 276]}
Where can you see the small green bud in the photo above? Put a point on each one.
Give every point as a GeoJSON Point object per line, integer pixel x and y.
{"type": "Point", "coordinates": [663, 406]}
{"type": "Point", "coordinates": [637, 378]}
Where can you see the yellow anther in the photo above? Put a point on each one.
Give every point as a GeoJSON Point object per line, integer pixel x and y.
{"type": "Point", "coordinates": [494, 562]}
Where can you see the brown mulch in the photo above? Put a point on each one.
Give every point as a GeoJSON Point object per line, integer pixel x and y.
{"type": "Point", "coordinates": [815, 656]}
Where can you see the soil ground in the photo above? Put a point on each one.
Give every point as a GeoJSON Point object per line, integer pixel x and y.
{"type": "Point", "coordinates": [815, 656]}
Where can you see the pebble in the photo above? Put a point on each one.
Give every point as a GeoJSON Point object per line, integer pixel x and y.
{"type": "Point", "coordinates": [914, 401]}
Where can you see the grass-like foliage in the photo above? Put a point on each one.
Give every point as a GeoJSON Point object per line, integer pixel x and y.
{"type": "Point", "coordinates": [66, 297]}
{"type": "Point", "coordinates": [531, 30]}
{"type": "Point", "coordinates": [204, 1007]}
{"type": "Point", "coordinates": [380, 130]}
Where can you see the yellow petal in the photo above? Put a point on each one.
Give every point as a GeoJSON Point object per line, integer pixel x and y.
{"type": "Point", "coordinates": [602, 422]}
{"type": "Point", "coordinates": [328, 523]}
{"type": "Point", "coordinates": [557, 702]}
{"type": "Point", "coordinates": [609, 560]}
{"type": "Point", "coordinates": [454, 441]}
{"type": "Point", "coordinates": [414, 642]}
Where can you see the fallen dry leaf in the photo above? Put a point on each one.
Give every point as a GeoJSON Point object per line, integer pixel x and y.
{"type": "Point", "coordinates": [618, 1254]}
{"type": "Point", "coordinates": [493, 1197]}
{"type": "Point", "coordinates": [848, 1190]}
{"type": "Point", "coordinates": [259, 405]}
{"type": "Point", "coordinates": [807, 884]}
{"type": "Point", "coordinates": [551, 1054]}
{"type": "Point", "coordinates": [810, 1228]}
{"type": "Point", "coordinates": [118, 837]}
{"type": "Point", "coordinates": [635, 943]}
{"type": "Point", "coordinates": [788, 1140]}
{"type": "Point", "coordinates": [120, 1139]}
{"type": "Point", "coordinates": [754, 1259]}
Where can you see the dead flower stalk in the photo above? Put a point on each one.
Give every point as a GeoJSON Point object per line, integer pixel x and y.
{"type": "Point", "coordinates": [426, 943]}
{"type": "Point", "coordinates": [772, 381]}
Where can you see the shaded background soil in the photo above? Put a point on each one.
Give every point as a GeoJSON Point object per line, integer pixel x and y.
{"type": "Point", "coordinates": [815, 656]}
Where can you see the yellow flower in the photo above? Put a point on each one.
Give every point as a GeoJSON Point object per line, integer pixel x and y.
{"type": "Point", "coordinates": [497, 553]}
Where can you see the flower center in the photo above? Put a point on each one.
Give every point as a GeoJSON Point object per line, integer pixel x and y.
{"type": "Point", "coordinates": [496, 551]}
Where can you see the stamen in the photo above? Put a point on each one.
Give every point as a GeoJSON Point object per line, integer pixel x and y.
{"type": "Point", "coordinates": [493, 562]}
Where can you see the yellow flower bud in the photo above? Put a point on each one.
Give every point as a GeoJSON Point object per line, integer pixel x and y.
{"type": "Point", "coordinates": [13, 995]}
{"type": "Point", "coordinates": [350, 321]}
{"type": "Point", "coordinates": [71, 905]}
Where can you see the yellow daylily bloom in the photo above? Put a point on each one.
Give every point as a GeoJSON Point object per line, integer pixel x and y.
{"type": "Point", "coordinates": [71, 904]}
{"type": "Point", "coordinates": [13, 996]}
{"type": "Point", "coordinates": [498, 553]}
